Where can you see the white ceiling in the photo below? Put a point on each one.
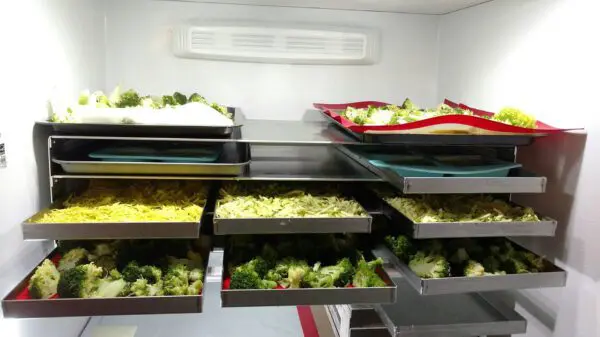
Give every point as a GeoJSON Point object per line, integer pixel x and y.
{"type": "Point", "coordinates": [397, 6]}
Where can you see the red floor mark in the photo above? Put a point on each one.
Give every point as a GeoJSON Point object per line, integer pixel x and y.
{"type": "Point", "coordinates": [307, 321]}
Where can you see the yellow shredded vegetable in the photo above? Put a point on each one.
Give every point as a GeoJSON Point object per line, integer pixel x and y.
{"type": "Point", "coordinates": [124, 201]}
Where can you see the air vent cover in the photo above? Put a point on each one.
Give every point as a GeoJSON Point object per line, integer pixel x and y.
{"type": "Point", "coordinates": [254, 42]}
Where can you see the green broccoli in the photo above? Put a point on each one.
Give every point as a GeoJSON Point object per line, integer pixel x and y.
{"type": "Point", "coordinates": [401, 246]}
{"type": "Point", "coordinates": [222, 109]}
{"type": "Point", "coordinates": [107, 287]}
{"type": "Point", "coordinates": [195, 97]}
{"type": "Point", "coordinates": [409, 105]}
{"type": "Point", "coordinates": [81, 281]}
{"type": "Point", "coordinates": [267, 284]}
{"type": "Point", "coordinates": [516, 117]}
{"type": "Point", "coordinates": [73, 258]}
{"type": "Point", "coordinates": [272, 275]}
{"type": "Point", "coordinates": [366, 275]}
{"type": "Point", "coordinates": [316, 279]}
{"type": "Point", "coordinates": [473, 269]}
{"type": "Point", "coordinates": [196, 274]}
{"type": "Point", "coordinates": [168, 101]}
{"type": "Point", "coordinates": [536, 263]}
{"type": "Point", "coordinates": [101, 100]}
{"type": "Point", "coordinates": [259, 265]}
{"type": "Point", "coordinates": [296, 274]}
{"type": "Point", "coordinates": [132, 272]}
{"type": "Point", "coordinates": [151, 102]}
{"type": "Point", "coordinates": [491, 264]}
{"type": "Point", "coordinates": [180, 98]}
{"type": "Point", "coordinates": [245, 278]}
{"type": "Point", "coordinates": [142, 287]}
{"type": "Point", "coordinates": [44, 282]}
{"type": "Point", "coordinates": [515, 266]}
{"type": "Point", "coordinates": [107, 263]}
{"type": "Point", "coordinates": [195, 288]}
{"type": "Point", "coordinates": [129, 99]}
{"type": "Point", "coordinates": [429, 266]}
{"type": "Point", "coordinates": [176, 280]}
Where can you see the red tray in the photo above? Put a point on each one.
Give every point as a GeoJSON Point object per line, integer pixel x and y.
{"type": "Point", "coordinates": [450, 124]}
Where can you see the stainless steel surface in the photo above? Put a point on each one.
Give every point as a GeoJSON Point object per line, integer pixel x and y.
{"type": "Point", "coordinates": [423, 230]}
{"type": "Point", "coordinates": [224, 226]}
{"type": "Point", "coordinates": [519, 181]}
{"type": "Point", "coordinates": [145, 168]}
{"type": "Point", "coordinates": [294, 132]}
{"type": "Point", "coordinates": [70, 307]}
{"type": "Point", "coordinates": [455, 285]}
{"type": "Point", "coordinates": [455, 315]}
{"type": "Point", "coordinates": [129, 230]}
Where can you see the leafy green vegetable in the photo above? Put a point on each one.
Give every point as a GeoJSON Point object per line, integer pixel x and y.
{"type": "Point", "coordinates": [44, 282]}
{"type": "Point", "coordinates": [279, 201]}
{"type": "Point", "coordinates": [459, 208]}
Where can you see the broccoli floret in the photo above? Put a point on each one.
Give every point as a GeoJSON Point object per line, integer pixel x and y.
{"type": "Point", "coordinates": [168, 101]}
{"type": "Point", "coordinates": [132, 272]}
{"type": "Point", "coordinates": [259, 265]}
{"type": "Point", "coordinates": [429, 266]}
{"type": "Point", "coordinates": [81, 281]}
{"type": "Point", "coordinates": [44, 282]}
{"type": "Point", "coordinates": [491, 264]}
{"type": "Point", "coordinates": [516, 117]}
{"type": "Point", "coordinates": [221, 109]}
{"type": "Point", "coordinates": [142, 287]}
{"type": "Point", "coordinates": [196, 274]}
{"type": "Point", "coordinates": [409, 105]}
{"type": "Point", "coordinates": [245, 278]}
{"type": "Point", "coordinates": [473, 269]}
{"type": "Point", "coordinates": [366, 275]}
{"type": "Point", "coordinates": [151, 273]}
{"type": "Point", "coordinates": [401, 246]}
{"type": "Point", "coordinates": [267, 284]}
{"type": "Point", "coordinates": [107, 263]}
{"type": "Point", "coordinates": [129, 98]}
{"type": "Point", "coordinates": [346, 272]}
{"type": "Point", "coordinates": [195, 287]}
{"type": "Point", "coordinates": [180, 98]}
{"type": "Point", "coordinates": [516, 266]}
{"type": "Point", "coordinates": [296, 274]}
{"type": "Point", "coordinates": [151, 102]}
{"type": "Point", "coordinates": [283, 266]}
{"type": "Point", "coordinates": [176, 280]}
{"type": "Point", "coordinates": [195, 97]}
{"type": "Point", "coordinates": [108, 287]}
{"type": "Point", "coordinates": [316, 279]}
{"type": "Point", "coordinates": [272, 275]}
{"type": "Point", "coordinates": [536, 263]}
{"type": "Point", "coordinates": [73, 258]}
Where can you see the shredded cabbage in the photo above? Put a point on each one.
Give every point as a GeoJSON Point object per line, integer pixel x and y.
{"type": "Point", "coordinates": [459, 208]}
{"type": "Point", "coordinates": [118, 201]}
{"type": "Point", "coordinates": [281, 201]}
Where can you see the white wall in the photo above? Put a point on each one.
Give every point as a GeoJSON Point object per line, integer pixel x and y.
{"type": "Point", "coordinates": [46, 45]}
{"type": "Point", "coordinates": [542, 56]}
{"type": "Point", "coordinates": [139, 56]}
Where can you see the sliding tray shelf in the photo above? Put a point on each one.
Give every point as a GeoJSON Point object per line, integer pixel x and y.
{"type": "Point", "coordinates": [432, 230]}
{"type": "Point", "coordinates": [225, 226]}
{"type": "Point", "coordinates": [307, 296]}
{"type": "Point", "coordinates": [15, 307]}
{"type": "Point", "coordinates": [518, 181]}
{"type": "Point", "coordinates": [437, 316]}
{"type": "Point", "coordinates": [554, 277]}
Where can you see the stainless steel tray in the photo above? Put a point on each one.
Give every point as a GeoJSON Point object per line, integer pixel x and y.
{"type": "Point", "coordinates": [425, 230]}
{"type": "Point", "coordinates": [519, 181]}
{"type": "Point", "coordinates": [68, 307]}
{"type": "Point", "coordinates": [328, 296]}
{"type": "Point", "coordinates": [291, 225]}
{"type": "Point", "coordinates": [455, 285]}
{"type": "Point", "coordinates": [108, 230]}
{"type": "Point", "coordinates": [454, 315]}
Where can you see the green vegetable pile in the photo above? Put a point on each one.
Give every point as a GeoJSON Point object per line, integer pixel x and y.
{"type": "Point", "coordinates": [284, 201]}
{"type": "Point", "coordinates": [409, 112]}
{"type": "Point", "coordinates": [132, 99]}
{"type": "Point", "coordinates": [317, 261]}
{"type": "Point", "coordinates": [464, 257]}
{"type": "Point", "coordinates": [115, 201]}
{"type": "Point", "coordinates": [459, 208]}
{"type": "Point", "coordinates": [99, 269]}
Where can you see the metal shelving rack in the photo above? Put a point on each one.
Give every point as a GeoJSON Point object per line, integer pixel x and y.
{"type": "Point", "coordinates": [316, 150]}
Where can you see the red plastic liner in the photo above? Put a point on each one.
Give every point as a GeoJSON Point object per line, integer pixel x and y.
{"type": "Point", "coordinates": [449, 124]}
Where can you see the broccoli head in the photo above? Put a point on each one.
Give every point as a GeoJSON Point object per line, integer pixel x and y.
{"type": "Point", "coordinates": [81, 281]}
{"type": "Point", "coordinates": [180, 98]}
{"type": "Point", "coordinates": [107, 263]}
{"type": "Point", "coordinates": [516, 117]}
{"type": "Point", "coordinates": [44, 282]}
{"type": "Point", "coordinates": [296, 275]}
{"type": "Point", "coordinates": [129, 99]}
{"type": "Point", "coordinates": [429, 266]}
{"type": "Point", "coordinates": [195, 288]}
{"type": "Point", "coordinates": [196, 274]}
{"type": "Point", "coordinates": [168, 101]}
{"type": "Point", "coordinates": [317, 279]}
{"type": "Point", "coordinates": [516, 266]}
{"type": "Point", "coordinates": [366, 275]}
{"type": "Point", "coordinates": [132, 272]}
{"type": "Point", "coordinates": [195, 97]}
{"type": "Point", "coordinates": [176, 280]}
{"type": "Point", "coordinates": [245, 278]}
{"type": "Point", "coordinates": [272, 275]}
{"type": "Point", "coordinates": [401, 246]}
{"type": "Point", "coordinates": [474, 268]}
{"type": "Point", "coordinates": [109, 287]}
{"type": "Point", "coordinates": [536, 263]}
{"type": "Point", "coordinates": [409, 105]}
{"type": "Point", "coordinates": [259, 265]}
{"type": "Point", "coordinates": [267, 284]}
{"type": "Point", "coordinates": [491, 264]}
{"type": "Point", "coordinates": [73, 258]}
{"type": "Point", "coordinates": [142, 287]}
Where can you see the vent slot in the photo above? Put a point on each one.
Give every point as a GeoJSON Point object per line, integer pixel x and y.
{"type": "Point", "coordinates": [259, 43]}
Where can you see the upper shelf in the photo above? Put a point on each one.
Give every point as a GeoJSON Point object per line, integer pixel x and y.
{"type": "Point", "coordinates": [394, 6]}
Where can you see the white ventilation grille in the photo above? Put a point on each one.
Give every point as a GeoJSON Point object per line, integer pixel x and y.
{"type": "Point", "coordinates": [292, 44]}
